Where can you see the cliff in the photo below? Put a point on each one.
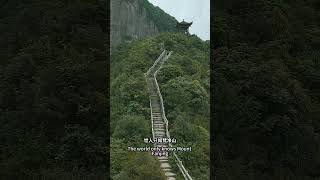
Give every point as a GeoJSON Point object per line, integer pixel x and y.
{"type": "Point", "coordinates": [136, 19]}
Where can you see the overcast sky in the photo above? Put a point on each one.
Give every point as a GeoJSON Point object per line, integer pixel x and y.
{"type": "Point", "coordinates": [197, 11]}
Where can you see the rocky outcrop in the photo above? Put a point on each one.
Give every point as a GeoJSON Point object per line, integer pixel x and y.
{"type": "Point", "coordinates": [129, 21]}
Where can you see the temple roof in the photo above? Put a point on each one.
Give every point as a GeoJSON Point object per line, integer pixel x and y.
{"type": "Point", "coordinates": [184, 23]}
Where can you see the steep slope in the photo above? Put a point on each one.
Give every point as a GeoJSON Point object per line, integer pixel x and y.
{"type": "Point", "coordinates": [184, 82]}
{"type": "Point", "coordinates": [158, 120]}
{"type": "Point", "coordinates": [136, 19]}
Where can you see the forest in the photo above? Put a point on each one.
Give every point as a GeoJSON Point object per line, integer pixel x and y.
{"type": "Point", "coordinates": [184, 82]}
{"type": "Point", "coordinates": [265, 90]}
{"type": "Point", "coordinates": [163, 21]}
{"type": "Point", "coordinates": [53, 89]}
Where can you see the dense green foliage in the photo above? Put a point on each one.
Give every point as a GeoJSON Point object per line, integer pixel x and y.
{"type": "Point", "coordinates": [184, 83]}
{"type": "Point", "coordinates": [53, 90]}
{"type": "Point", "coordinates": [130, 111]}
{"type": "Point", "coordinates": [185, 76]}
{"type": "Point", "coordinates": [266, 90]}
{"type": "Point", "coordinates": [163, 21]}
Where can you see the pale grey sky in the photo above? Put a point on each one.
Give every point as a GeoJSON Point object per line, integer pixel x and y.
{"type": "Point", "coordinates": [197, 11]}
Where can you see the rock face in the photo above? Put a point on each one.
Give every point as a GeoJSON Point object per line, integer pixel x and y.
{"type": "Point", "coordinates": [129, 21]}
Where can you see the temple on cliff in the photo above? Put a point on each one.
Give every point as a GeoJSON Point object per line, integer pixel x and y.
{"type": "Point", "coordinates": [183, 27]}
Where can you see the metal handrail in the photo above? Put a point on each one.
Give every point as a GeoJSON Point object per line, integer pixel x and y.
{"type": "Point", "coordinates": [151, 120]}
{"type": "Point", "coordinates": [178, 161]}
{"type": "Point", "coordinates": [156, 62]}
{"type": "Point", "coordinates": [160, 95]}
{"type": "Point", "coordinates": [146, 74]}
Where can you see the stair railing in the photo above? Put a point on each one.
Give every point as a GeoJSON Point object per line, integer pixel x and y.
{"type": "Point", "coordinates": [181, 167]}
{"type": "Point", "coordinates": [146, 75]}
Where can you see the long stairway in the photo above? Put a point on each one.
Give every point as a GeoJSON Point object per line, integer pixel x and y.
{"type": "Point", "coordinates": [158, 121]}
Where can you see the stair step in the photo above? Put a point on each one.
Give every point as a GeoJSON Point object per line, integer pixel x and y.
{"type": "Point", "coordinates": [162, 133]}
{"type": "Point", "coordinates": [169, 174]}
{"type": "Point", "coordinates": [159, 135]}
{"type": "Point", "coordinates": [158, 123]}
{"type": "Point", "coordinates": [158, 126]}
{"type": "Point", "coordinates": [165, 165]}
{"type": "Point", "coordinates": [171, 178]}
{"type": "Point", "coordinates": [166, 169]}
{"type": "Point", "coordinates": [158, 130]}
{"type": "Point", "coordinates": [163, 160]}
{"type": "Point", "coordinates": [162, 157]}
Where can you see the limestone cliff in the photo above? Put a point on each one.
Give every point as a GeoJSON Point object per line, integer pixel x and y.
{"type": "Point", "coordinates": [136, 19]}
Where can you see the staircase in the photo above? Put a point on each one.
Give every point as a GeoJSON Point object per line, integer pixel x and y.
{"type": "Point", "coordinates": [157, 119]}
{"type": "Point", "coordinates": [159, 122]}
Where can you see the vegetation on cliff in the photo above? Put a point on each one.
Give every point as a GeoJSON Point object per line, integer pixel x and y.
{"type": "Point", "coordinates": [163, 21]}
